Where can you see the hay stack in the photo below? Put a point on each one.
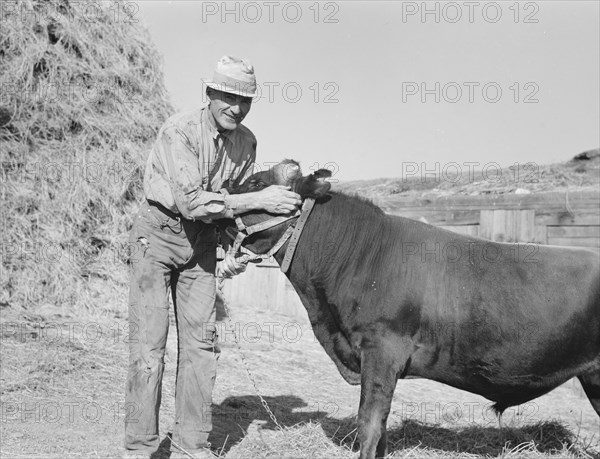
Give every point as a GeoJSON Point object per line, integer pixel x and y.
{"type": "Point", "coordinates": [82, 99]}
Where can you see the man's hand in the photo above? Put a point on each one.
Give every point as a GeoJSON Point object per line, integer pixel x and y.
{"type": "Point", "coordinates": [277, 199]}
{"type": "Point", "coordinates": [231, 266]}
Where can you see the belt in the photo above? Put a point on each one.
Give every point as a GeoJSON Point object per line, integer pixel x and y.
{"type": "Point", "coordinates": [167, 212]}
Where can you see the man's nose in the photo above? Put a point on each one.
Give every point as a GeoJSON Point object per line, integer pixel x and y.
{"type": "Point", "coordinates": [235, 109]}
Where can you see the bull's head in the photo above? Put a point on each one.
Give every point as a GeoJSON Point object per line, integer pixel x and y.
{"type": "Point", "coordinates": [285, 173]}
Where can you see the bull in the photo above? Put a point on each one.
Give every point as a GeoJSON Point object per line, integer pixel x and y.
{"type": "Point", "coordinates": [385, 304]}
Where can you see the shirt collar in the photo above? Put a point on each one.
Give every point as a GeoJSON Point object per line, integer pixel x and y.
{"type": "Point", "coordinates": [212, 127]}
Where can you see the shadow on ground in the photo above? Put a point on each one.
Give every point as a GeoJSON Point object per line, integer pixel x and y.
{"type": "Point", "coordinates": [232, 418]}
{"type": "Point", "coordinates": [548, 437]}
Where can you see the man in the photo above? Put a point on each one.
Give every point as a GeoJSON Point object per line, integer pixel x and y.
{"type": "Point", "coordinates": [195, 155]}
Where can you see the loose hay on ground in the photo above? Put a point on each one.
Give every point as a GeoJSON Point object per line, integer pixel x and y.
{"type": "Point", "coordinates": [92, 374]}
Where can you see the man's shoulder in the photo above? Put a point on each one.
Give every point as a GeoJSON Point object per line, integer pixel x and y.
{"type": "Point", "coordinates": [184, 119]}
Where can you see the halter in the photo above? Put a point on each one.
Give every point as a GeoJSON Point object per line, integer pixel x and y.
{"type": "Point", "coordinates": [292, 231]}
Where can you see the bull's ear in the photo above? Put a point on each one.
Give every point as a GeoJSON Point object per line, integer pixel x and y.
{"type": "Point", "coordinates": [322, 174]}
{"type": "Point", "coordinates": [314, 185]}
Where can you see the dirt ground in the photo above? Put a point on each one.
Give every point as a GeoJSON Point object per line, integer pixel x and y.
{"type": "Point", "coordinates": [63, 384]}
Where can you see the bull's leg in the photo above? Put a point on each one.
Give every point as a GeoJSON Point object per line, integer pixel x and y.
{"type": "Point", "coordinates": [379, 369]}
{"type": "Point", "coordinates": [591, 386]}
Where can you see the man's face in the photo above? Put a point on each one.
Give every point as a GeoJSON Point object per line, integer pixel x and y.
{"type": "Point", "coordinates": [228, 109]}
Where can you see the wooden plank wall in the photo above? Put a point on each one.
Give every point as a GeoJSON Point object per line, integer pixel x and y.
{"type": "Point", "coordinates": [264, 286]}
{"type": "Point", "coordinates": [570, 219]}
{"type": "Point", "coordinates": [557, 218]}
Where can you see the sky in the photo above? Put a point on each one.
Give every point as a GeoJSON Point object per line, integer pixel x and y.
{"type": "Point", "coordinates": [384, 89]}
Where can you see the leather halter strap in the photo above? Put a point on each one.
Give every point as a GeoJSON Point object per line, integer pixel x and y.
{"type": "Point", "coordinates": [292, 233]}
{"type": "Point", "coordinates": [307, 207]}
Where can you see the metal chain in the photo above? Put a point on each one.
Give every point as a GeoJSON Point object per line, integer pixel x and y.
{"type": "Point", "coordinates": [243, 357]}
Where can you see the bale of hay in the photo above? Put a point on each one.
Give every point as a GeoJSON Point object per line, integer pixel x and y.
{"type": "Point", "coordinates": [82, 98]}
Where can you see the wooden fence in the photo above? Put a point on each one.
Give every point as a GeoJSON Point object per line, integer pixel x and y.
{"type": "Point", "coordinates": [569, 219]}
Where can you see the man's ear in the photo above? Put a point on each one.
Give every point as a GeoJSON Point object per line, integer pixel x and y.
{"type": "Point", "coordinates": [314, 185]}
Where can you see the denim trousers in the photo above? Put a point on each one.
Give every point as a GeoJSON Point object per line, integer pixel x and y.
{"type": "Point", "coordinates": [177, 256]}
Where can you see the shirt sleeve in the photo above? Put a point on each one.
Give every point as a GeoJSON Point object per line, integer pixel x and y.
{"type": "Point", "coordinates": [232, 200]}
{"type": "Point", "coordinates": [186, 180]}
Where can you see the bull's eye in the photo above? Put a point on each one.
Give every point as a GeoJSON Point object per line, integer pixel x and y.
{"type": "Point", "coordinates": [254, 184]}
{"type": "Point", "coordinates": [257, 184]}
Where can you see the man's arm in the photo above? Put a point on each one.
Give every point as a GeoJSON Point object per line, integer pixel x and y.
{"type": "Point", "coordinates": [276, 199]}
{"type": "Point", "coordinates": [180, 161]}
{"type": "Point", "coordinates": [193, 202]}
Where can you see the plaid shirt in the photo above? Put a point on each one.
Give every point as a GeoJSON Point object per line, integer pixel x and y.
{"type": "Point", "coordinates": [191, 162]}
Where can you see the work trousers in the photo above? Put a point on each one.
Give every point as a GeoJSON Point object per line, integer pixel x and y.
{"type": "Point", "coordinates": [178, 256]}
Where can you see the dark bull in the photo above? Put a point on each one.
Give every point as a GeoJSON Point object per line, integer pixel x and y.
{"type": "Point", "coordinates": [381, 315]}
